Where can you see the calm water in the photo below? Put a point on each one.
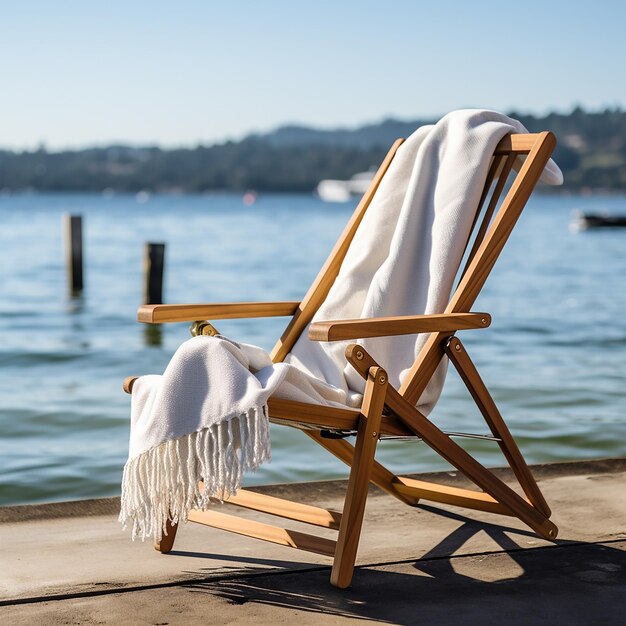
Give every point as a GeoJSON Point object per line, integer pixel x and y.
{"type": "Point", "coordinates": [554, 358]}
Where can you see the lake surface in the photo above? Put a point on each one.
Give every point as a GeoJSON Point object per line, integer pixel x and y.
{"type": "Point", "coordinates": [554, 357]}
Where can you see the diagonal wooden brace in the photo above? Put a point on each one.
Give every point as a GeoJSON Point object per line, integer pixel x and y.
{"type": "Point", "coordinates": [453, 453]}
{"type": "Point", "coordinates": [467, 370]}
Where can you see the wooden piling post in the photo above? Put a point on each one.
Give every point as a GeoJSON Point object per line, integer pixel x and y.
{"type": "Point", "coordinates": [154, 262]}
{"type": "Point", "coordinates": [73, 226]}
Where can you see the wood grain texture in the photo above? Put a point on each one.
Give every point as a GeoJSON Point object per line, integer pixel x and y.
{"type": "Point", "coordinates": [337, 330]}
{"type": "Point", "coordinates": [266, 532]}
{"type": "Point", "coordinates": [160, 313]}
{"type": "Point", "coordinates": [313, 415]}
{"type": "Point", "coordinates": [304, 415]}
{"type": "Point", "coordinates": [519, 143]}
{"type": "Point", "coordinates": [358, 483]}
{"type": "Point", "coordinates": [285, 508]}
{"type": "Point", "coordinates": [446, 494]}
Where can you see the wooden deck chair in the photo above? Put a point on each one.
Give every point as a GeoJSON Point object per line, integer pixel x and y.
{"type": "Point", "coordinates": [386, 411]}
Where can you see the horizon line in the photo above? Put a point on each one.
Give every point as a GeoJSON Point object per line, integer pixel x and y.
{"type": "Point", "coordinates": [148, 145]}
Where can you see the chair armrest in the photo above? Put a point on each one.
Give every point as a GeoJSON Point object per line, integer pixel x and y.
{"type": "Point", "coordinates": [402, 325]}
{"type": "Point", "coordinates": [158, 313]}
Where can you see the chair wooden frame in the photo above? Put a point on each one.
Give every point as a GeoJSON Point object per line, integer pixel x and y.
{"type": "Point", "coordinates": [385, 410]}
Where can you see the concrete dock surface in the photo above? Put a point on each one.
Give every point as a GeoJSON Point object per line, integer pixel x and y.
{"type": "Point", "coordinates": [70, 563]}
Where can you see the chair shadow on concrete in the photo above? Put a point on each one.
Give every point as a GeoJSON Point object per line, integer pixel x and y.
{"type": "Point", "coordinates": [564, 583]}
{"type": "Point", "coordinates": [258, 565]}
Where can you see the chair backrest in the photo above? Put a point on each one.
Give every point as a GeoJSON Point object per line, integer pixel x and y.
{"type": "Point", "coordinates": [324, 281]}
{"type": "Point", "coordinates": [495, 221]}
{"type": "Point", "coordinates": [493, 224]}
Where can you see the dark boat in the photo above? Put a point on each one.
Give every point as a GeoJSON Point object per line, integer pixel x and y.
{"type": "Point", "coordinates": [583, 221]}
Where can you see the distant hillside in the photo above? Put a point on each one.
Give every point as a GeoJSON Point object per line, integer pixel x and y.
{"type": "Point", "coordinates": [591, 153]}
{"type": "Point", "coordinates": [363, 137]}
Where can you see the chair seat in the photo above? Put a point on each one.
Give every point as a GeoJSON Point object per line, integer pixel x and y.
{"type": "Point", "coordinates": [308, 416]}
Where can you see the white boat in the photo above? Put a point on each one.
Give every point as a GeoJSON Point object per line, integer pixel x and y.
{"type": "Point", "coordinates": [331, 190]}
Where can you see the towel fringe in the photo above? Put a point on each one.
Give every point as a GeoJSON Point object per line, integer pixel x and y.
{"type": "Point", "coordinates": [163, 482]}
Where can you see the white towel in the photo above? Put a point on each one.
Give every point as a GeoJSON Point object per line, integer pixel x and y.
{"type": "Point", "coordinates": [206, 419]}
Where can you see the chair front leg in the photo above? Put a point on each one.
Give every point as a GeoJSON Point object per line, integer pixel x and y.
{"type": "Point", "coordinates": [360, 473]}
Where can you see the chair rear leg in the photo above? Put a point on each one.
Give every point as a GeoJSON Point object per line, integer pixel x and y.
{"type": "Point", "coordinates": [360, 474]}
{"type": "Point", "coordinates": [167, 541]}
{"type": "Point", "coordinates": [469, 374]}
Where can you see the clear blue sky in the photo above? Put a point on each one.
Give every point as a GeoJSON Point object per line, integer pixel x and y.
{"type": "Point", "coordinates": [178, 73]}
